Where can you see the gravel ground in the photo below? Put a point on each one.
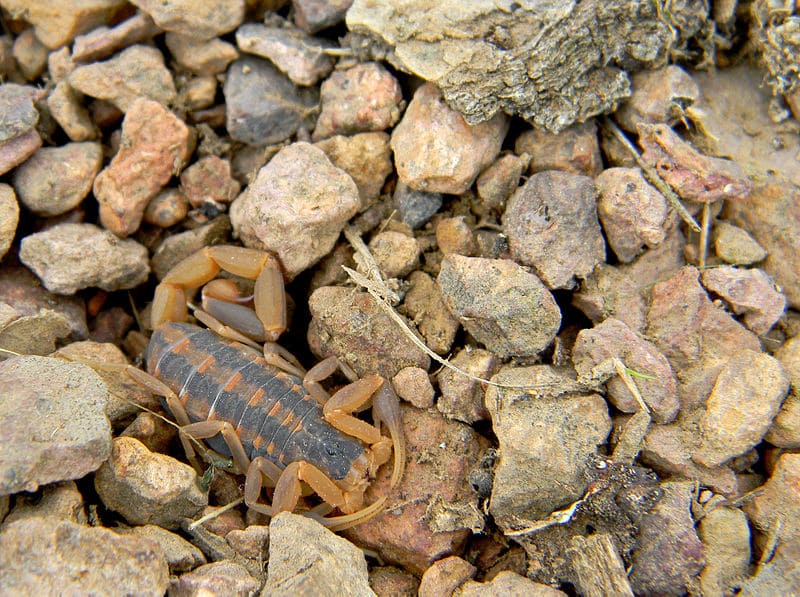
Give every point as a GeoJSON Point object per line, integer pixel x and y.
{"type": "Point", "coordinates": [574, 238]}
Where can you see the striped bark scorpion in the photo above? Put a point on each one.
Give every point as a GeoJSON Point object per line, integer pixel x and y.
{"type": "Point", "coordinates": [260, 408]}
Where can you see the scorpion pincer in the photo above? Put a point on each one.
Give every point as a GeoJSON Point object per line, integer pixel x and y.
{"type": "Point", "coordinates": [274, 420]}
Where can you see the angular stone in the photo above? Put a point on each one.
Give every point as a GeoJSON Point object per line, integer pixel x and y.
{"type": "Point", "coordinates": [659, 95]}
{"type": "Point", "coordinates": [202, 19]}
{"type": "Point", "coordinates": [201, 57]}
{"type": "Point", "coordinates": [9, 217]}
{"type": "Point", "coordinates": [575, 149]}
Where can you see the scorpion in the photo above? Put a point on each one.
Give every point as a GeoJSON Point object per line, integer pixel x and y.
{"type": "Point", "coordinates": [274, 420]}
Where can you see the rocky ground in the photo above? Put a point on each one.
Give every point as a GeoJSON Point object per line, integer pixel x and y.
{"type": "Point", "coordinates": [592, 322]}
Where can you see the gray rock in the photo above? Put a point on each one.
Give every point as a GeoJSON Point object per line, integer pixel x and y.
{"type": "Point", "coordinates": [19, 112]}
{"type": "Point", "coordinates": [305, 558]}
{"type": "Point", "coordinates": [551, 224]}
{"type": "Point", "coordinates": [299, 56]}
{"type": "Point", "coordinates": [202, 19]}
{"type": "Point", "coordinates": [135, 72]}
{"type": "Point", "coordinates": [69, 257]}
{"type": "Point", "coordinates": [296, 208]}
{"type": "Point", "coordinates": [55, 180]}
{"type": "Point", "coordinates": [9, 218]}
{"type": "Point", "coordinates": [53, 425]}
{"type": "Point", "coordinates": [506, 308]}
{"type": "Point", "coordinates": [102, 42]}
{"type": "Point", "coordinates": [670, 552]}
{"type": "Point", "coordinates": [312, 16]}
{"type": "Point", "coordinates": [42, 556]}
{"type": "Point", "coordinates": [541, 459]}
{"type": "Point", "coordinates": [148, 488]}
{"type": "Point", "coordinates": [435, 150]}
{"type": "Point", "coordinates": [552, 63]}
{"type": "Point", "coordinates": [262, 105]}
{"type": "Point", "coordinates": [415, 208]}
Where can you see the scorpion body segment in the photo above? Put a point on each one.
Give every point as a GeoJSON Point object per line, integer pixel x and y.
{"type": "Point", "coordinates": [270, 410]}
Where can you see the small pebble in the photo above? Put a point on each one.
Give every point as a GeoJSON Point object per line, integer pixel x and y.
{"type": "Point", "coordinates": [366, 157]}
{"type": "Point", "coordinates": [181, 555]}
{"type": "Point", "coordinates": [9, 217]}
{"type": "Point", "coordinates": [156, 434]}
{"type": "Point", "coordinates": [455, 236]}
{"type": "Point", "coordinates": [296, 207]}
{"type": "Point", "coordinates": [251, 542]}
{"type": "Point", "coordinates": [202, 19]}
{"type": "Point", "coordinates": [750, 293]}
{"type": "Point", "coordinates": [299, 56]}
{"type": "Point", "coordinates": [507, 582]}
{"type": "Point", "coordinates": [202, 57]}
{"type": "Point", "coordinates": [155, 141]}
{"type": "Point", "coordinates": [262, 105]}
{"type": "Point", "coordinates": [59, 501]}
{"type": "Point", "coordinates": [16, 150]}
{"type": "Point", "coordinates": [55, 180]}
{"type": "Point", "coordinates": [424, 304]}
{"type": "Point", "coordinates": [735, 245]}
{"type": "Point", "coordinates": [551, 224]}
{"type": "Point", "coordinates": [68, 111]}
{"type": "Point", "coordinates": [506, 308]}
{"type": "Point", "coordinates": [753, 383]}
{"type": "Point", "coordinates": [659, 95]}
{"type": "Point", "coordinates": [337, 328]}
{"type": "Point", "coordinates": [669, 553]}
{"type": "Point", "coordinates": [177, 247]}
{"type": "Point", "coordinates": [435, 150]}
{"type": "Point", "coordinates": [390, 581]}
{"type": "Point", "coordinates": [496, 184]}
{"type": "Point", "coordinates": [166, 208]}
{"type": "Point", "coordinates": [312, 16]}
{"type": "Point", "coordinates": [575, 149]}
{"type": "Point", "coordinates": [56, 24]}
{"type": "Point", "coordinates": [633, 213]}
{"type": "Point", "coordinates": [613, 339]}
{"type": "Point", "coordinates": [148, 488]}
{"type": "Point", "coordinates": [413, 385]}
{"type": "Point", "coordinates": [445, 576]}
{"type": "Point", "coordinates": [42, 556]}
{"type": "Point", "coordinates": [103, 42]}
{"type": "Point", "coordinates": [225, 577]}
{"type": "Point", "coordinates": [52, 422]}
{"type": "Point", "coordinates": [396, 254]}
{"type": "Point", "coordinates": [610, 292]}
{"type": "Point", "coordinates": [364, 97]}
{"type": "Point", "coordinates": [69, 257]}
{"type": "Point", "coordinates": [136, 72]}
{"type": "Point", "coordinates": [198, 93]}
{"type": "Point", "coordinates": [30, 54]}
{"type": "Point", "coordinates": [307, 558]}
{"type": "Point", "coordinates": [462, 397]}
{"type": "Point", "coordinates": [415, 207]}
{"type": "Point", "coordinates": [209, 180]}
{"type": "Point", "coordinates": [726, 535]}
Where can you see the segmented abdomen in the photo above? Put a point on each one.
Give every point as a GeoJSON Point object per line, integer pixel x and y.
{"type": "Point", "coordinates": [270, 410]}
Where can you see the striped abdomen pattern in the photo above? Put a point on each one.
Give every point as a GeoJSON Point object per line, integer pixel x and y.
{"type": "Point", "coordinates": [270, 410]}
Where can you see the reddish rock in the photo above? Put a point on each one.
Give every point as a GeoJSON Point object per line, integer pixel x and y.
{"type": "Point", "coordinates": [364, 97]}
{"type": "Point", "coordinates": [772, 215]}
{"type": "Point", "coordinates": [437, 151]}
{"type": "Point", "coordinates": [670, 553]}
{"type": "Point", "coordinates": [774, 508]}
{"type": "Point", "coordinates": [153, 141]}
{"type": "Point", "coordinates": [694, 176]}
{"type": "Point", "coordinates": [612, 338]}
{"type": "Point", "coordinates": [633, 213]}
{"type": "Point", "coordinates": [454, 235]}
{"type": "Point", "coordinates": [750, 293]}
{"type": "Point", "coordinates": [440, 454]}
{"type": "Point", "coordinates": [16, 150]}
{"type": "Point", "coordinates": [551, 224]}
{"type": "Point", "coordinates": [659, 95]}
{"type": "Point", "coordinates": [575, 150]}
{"type": "Point", "coordinates": [695, 335]}
{"type": "Point", "coordinates": [209, 181]}
{"type": "Point", "coordinates": [166, 208]}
